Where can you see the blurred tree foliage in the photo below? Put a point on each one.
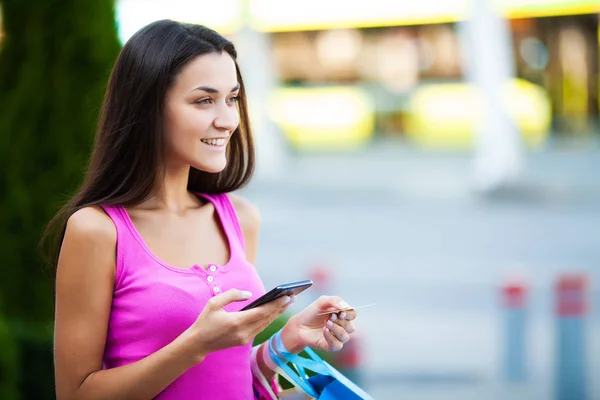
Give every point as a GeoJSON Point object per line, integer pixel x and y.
{"type": "Point", "coordinates": [55, 57]}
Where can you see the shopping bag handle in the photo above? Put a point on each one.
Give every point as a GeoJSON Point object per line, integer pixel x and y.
{"type": "Point", "coordinates": [314, 363]}
{"type": "Point", "coordinates": [281, 357]}
{"type": "Point", "coordinates": [298, 378]}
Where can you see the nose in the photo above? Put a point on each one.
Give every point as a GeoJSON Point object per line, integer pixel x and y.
{"type": "Point", "coordinates": [227, 117]}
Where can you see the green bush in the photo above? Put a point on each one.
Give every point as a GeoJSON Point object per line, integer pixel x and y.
{"type": "Point", "coordinates": [9, 375]}
{"type": "Point", "coordinates": [55, 57]}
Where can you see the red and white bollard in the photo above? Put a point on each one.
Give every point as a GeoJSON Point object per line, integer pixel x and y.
{"type": "Point", "coordinates": [514, 303]}
{"type": "Point", "coordinates": [571, 360]}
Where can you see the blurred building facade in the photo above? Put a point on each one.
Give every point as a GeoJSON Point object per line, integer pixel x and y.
{"type": "Point", "coordinates": [397, 70]}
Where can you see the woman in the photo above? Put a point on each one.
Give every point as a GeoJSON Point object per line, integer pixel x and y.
{"type": "Point", "coordinates": [154, 260]}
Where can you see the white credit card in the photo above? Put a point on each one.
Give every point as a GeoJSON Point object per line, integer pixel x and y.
{"type": "Point", "coordinates": [347, 309]}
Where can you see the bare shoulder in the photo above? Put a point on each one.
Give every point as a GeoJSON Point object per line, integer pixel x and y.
{"type": "Point", "coordinates": [88, 250]}
{"type": "Point", "coordinates": [90, 236]}
{"type": "Point", "coordinates": [247, 213]}
{"type": "Point", "coordinates": [91, 223]}
{"type": "Point", "coordinates": [249, 218]}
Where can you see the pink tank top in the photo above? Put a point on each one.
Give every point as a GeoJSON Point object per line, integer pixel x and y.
{"type": "Point", "coordinates": [153, 303]}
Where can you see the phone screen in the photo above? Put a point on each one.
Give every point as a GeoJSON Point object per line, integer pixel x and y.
{"type": "Point", "coordinates": [287, 289]}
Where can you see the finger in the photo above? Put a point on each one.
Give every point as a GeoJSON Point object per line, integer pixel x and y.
{"type": "Point", "coordinates": [268, 311]}
{"type": "Point", "coordinates": [272, 311]}
{"type": "Point", "coordinates": [260, 325]}
{"type": "Point", "coordinates": [333, 303]}
{"type": "Point", "coordinates": [279, 305]}
{"type": "Point", "coordinates": [338, 331]}
{"type": "Point", "coordinates": [332, 341]}
{"type": "Point", "coordinates": [330, 303]}
{"type": "Point", "coordinates": [347, 315]}
{"type": "Point", "coordinates": [230, 296]}
{"type": "Point", "coordinates": [348, 326]}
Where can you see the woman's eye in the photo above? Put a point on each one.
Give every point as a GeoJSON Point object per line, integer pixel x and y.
{"type": "Point", "coordinates": [234, 99]}
{"type": "Point", "coordinates": [203, 101]}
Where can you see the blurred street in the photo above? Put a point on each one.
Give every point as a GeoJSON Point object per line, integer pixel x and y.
{"type": "Point", "coordinates": [402, 229]}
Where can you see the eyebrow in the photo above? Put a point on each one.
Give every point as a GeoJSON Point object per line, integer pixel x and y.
{"type": "Point", "coordinates": [208, 89]}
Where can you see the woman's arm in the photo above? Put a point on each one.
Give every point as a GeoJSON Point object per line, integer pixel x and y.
{"type": "Point", "coordinates": [84, 288]}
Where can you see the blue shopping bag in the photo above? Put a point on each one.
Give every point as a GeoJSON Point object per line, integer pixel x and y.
{"type": "Point", "coordinates": [327, 384]}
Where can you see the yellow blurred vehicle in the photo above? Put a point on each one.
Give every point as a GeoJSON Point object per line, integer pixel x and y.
{"type": "Point", "coordinates": [339, 118]}
{"type": "Point", "coordinates": [447, 115]}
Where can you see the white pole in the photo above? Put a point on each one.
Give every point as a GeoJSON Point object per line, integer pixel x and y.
{"type": "Point", "coordinates": [489, 66]}
{"type": "Point", "coordinates": [255, 61]}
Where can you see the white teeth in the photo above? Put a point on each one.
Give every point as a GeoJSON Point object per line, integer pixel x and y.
{"type": "Point", "coordinates": [214, 142]}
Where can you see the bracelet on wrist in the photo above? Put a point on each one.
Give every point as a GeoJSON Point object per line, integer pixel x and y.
{"type": "Point", "coordinates": [279, 346]}
{"type": "Point", "coordinates": [266, 356]}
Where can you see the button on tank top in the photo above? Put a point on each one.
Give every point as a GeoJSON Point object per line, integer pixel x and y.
{"type": "Point", "coordinates": [153, 303]}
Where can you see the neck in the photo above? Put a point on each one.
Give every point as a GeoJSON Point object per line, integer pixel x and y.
{"type": "Point", "coordinates": [172, 194]}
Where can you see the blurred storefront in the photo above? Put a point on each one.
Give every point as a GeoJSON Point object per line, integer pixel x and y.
{"type": "Point", "coordinates": [347, 73]}
{"type": "Point", "coordinates": [561, 54]}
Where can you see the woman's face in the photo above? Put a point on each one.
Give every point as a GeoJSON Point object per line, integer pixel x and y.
{"type": "Point", "coordinates": [201, 113]}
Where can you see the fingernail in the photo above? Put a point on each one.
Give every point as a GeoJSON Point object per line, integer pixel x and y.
{"type": "Point", "coordinates": [293, 299]}
{"type": "Point", "coordinates": [343, 315]}
{"type": "Point", "coordinates": [333, 317]}
{"type": "Point", "coordinates": [286, 300]}
{"type": "Point", "coordinates": [327, 330]}
{"type": "Point", "coordinates": [246, 294]}
{"type": "Point", "coordinates": [329, 324]}
{"type": "Point", "coordinates": [344, 305]}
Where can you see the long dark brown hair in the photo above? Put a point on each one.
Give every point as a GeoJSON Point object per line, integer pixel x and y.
{"type": "Point", "coordinates": [128, 156]}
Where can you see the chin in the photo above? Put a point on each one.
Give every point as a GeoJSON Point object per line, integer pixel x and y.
{"type": "Point", "coordinates": [211, 167]}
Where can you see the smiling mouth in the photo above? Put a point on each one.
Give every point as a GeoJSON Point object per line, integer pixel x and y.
{"type": "Point", "coordinates": [214, 142]}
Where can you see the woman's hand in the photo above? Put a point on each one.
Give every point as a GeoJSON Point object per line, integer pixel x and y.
{"type": "Point", "coordinates": [216, 329]}
{"type": "Point", "coordinates": [326, 332]}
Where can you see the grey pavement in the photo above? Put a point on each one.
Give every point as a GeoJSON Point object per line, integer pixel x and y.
{"type": "Point", "coordinates": [402, 228]}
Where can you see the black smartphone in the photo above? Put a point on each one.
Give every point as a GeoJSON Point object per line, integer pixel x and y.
{"type": "Point", "coordinates": [287, 289]}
